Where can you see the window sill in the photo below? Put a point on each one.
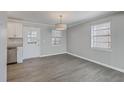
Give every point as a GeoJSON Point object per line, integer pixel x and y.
{"type": "Point", "coordinates": [102, 49]}
{"type": "Point", "coordinates": [55, 45]}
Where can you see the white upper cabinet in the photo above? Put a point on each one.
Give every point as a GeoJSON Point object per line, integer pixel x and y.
{"type": "Point", "coordinates": [14, 30]}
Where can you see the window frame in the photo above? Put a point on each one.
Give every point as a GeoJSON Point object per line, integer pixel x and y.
{"type": "Point", "coordinates": [31, 37]}
{"type": "Point", "coordinates": [55, 37]}
{"type": "Point", "coordinates": [91, 39]}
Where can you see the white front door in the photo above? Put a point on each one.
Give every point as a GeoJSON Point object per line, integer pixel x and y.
{"type": "Point", "coordinates": [31, 42]}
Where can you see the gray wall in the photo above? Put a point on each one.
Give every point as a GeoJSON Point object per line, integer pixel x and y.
{"type": "Point", "coordinates": [79, 40]}
{"type": "Point", "coordinates": [3, 46]}
{"type": "Point", "coordinates": [45, 40]}
{"type": "Point", "coordinates": [46, 45]}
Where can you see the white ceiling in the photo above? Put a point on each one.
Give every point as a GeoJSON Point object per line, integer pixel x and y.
{"type": "Point", "coordinates": [51, 17]}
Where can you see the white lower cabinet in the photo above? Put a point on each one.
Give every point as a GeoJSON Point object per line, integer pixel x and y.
{"type": "Point", "coordinates": [19, 54]}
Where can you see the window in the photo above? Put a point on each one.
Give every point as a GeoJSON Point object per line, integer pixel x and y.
{"type": "Point", "coordinates": [56, 37]}
{"type": "Point", "coordinates": [101, 36]}
{"type": "Point", "coordinates": [32, 37]}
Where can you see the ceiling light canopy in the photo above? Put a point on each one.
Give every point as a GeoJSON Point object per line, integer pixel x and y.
{"type": "Point", "coordinates": [60, 26]}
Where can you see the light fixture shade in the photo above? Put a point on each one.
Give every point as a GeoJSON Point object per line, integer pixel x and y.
{"type": "Point", "coordinates": [60, 26]}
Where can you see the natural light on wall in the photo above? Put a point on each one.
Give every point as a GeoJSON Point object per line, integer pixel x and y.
{"type": "Point", "coordinates": [101, 36]}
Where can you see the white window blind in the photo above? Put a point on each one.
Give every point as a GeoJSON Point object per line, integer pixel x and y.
{"type": "Point", "coordinates": [56, 37]}
{"type": "Point", "coordinates": [101, 36]}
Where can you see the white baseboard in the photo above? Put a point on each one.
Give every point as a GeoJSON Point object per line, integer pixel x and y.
{"type": "Point", "coordinates": [53, 54]}
{"type": "Point", "coordinates": [47, 55]}
{"type": "Point", "coordinates": [90, 60]}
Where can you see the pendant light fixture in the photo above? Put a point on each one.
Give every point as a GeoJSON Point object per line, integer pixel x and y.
{"type": "Point", "coordinates": [60, 26]}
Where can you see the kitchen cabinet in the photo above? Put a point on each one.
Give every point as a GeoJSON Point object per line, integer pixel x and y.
{"type": "Point", "coordinates": [14, 30]}
{"type": "Point", "coordinates": [15, 39]}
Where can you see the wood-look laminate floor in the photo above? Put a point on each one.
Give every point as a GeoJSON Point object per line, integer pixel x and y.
{"type": "Point", "coordinates": [61, 68]}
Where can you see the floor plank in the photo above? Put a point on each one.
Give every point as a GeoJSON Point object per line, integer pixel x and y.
{"type": "Point", "coordinates": [61, 68]}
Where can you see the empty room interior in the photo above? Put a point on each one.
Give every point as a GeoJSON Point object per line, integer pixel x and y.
{"type": "Point", "coordinates": [62, 46]}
